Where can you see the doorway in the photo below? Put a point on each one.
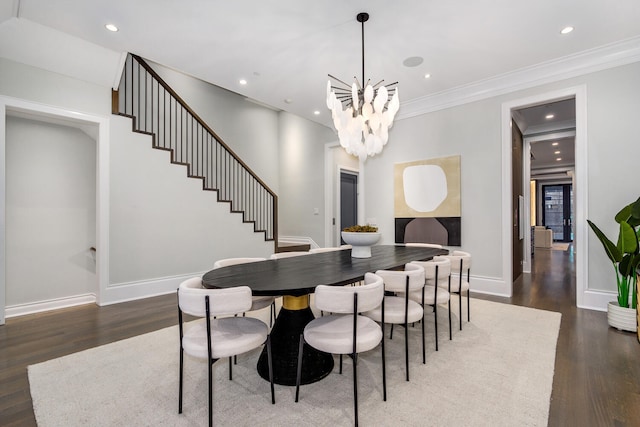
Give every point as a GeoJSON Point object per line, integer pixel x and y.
{"type": "Point", "coordinates": [557, 213]}
{"type": "Point", "coordinates": [98, 128]}
{"type": "Point", "coordinates": [348, 200]}
{"type": "Point", "coordinates": [510, 110]}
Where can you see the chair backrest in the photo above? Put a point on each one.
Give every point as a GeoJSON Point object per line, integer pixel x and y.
{"type": "Point", "coordinates": [339, 299]}
{"type": "Point", "coordinates": [455, 258]}
{"type": "Point", "coordinates": [234, 261]}
{"type": "Point", "coordinates": [320, 250]}
{"type": "Point", "coordinates": [424, 245]}
{"type": "Point", "coordinates": [289, 254]}
{"type": "Point", "coordinates": [222, 302]}
{"type": "Point", "coordinates": [429, 267]}
{"type": "Point", "coordinates": [396, 280]}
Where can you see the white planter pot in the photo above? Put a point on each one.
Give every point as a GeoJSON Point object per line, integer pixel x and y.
{"type": "Point", "coordinates": [621, 317]}
{"type": "Point", "coordinates": [360, 243]}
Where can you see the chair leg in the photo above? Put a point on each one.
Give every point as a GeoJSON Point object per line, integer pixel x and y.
{"type": "Point", "coordinates": [211, 392]}
{"type": "Point", "coordinates": [449, 306]}
{"type": "Point", "coordinates": [180, 384]}
{"type": "Point", "coordinates": [355, 386]}
{"type": "Point", "coordinates": [435, 320]}
{"type": "Point", "coordinates": [468, 306]}
{"type": "Point", "coordinates": [299, 373]}
{"type": "Point", "coordinates": [384, 369]}
{"type": "Point", "coordinates": [406, 348]}
{"type": "Point", "coordinates": [340, 365]}
{"type": "Point", "coordinates": [424, 353]}
{"type": "Point", "coordinates": [270, 360]}
{"type": "Point", "coordinates": [460, 306]}
{"type": "Point", "coordinates": [391, 333]}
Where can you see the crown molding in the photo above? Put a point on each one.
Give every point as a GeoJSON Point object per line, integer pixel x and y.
{"type": "Point", "coordinates": [589, 61]}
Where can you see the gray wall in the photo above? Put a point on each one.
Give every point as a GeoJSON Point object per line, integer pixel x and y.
{"type": "Point", "coordinates": [474, 131]}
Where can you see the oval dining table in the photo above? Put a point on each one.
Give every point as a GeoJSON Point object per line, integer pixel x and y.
{"type": "Point", "coordinates": [295, 278]}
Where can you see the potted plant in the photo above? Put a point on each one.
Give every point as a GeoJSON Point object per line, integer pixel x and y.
{"type": "Point", "coordinates": [625, 257]}
{"type": "Point", "coordinates": [361, 238]}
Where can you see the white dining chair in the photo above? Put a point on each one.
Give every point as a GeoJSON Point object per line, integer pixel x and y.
{"type": "Point", "coordinates": [460, 265]}
{"type": "Point", "coordinates": [346, 331]}
{"type": "Point", "coordinates": [424, 245]}
{"type": "Point", "coordinates": [289, 254]}
{"type": "Point", "coordinates": [257, 302]}
{"type": "Point", "coordinates": [215, 337]}
{"type": "Point", "coordinates": [437, 276]}
{"type": "Point", "coordinates": [402, 310]}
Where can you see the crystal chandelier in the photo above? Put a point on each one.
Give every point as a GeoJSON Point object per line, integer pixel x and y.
{"type": "Point", "coordinates": [363, 125]}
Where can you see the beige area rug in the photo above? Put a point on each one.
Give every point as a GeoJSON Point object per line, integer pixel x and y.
{"type": "Point", "coordinates": [497, 371]}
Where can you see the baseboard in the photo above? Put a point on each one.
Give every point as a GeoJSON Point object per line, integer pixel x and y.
{"type": "Point", "coordinates": [298, 240]}
{"type": "Point", "coordinates": [596, 300]}
{"type": "Point", "coordinates": [53, 304]}
{"type": "Point", "coordinates": [487, 285]}
{"type": "Point", "coordinates": [130, 291]}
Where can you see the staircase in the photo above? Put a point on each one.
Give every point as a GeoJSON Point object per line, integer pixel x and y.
{"type": "Point", "coordinates": [156, 110]}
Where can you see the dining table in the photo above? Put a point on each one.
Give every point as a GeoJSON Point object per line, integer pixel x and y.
{"type": "Point", "coordinates": [295, 279]}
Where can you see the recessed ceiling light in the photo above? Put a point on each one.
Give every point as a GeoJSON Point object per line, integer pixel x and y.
{"type": "Point", "coordinates": [566, 30]}
{"type": "Point", "coordinates": [556, 152]}
{"type": "Point", "coordinates": [427, 76]}
{"type": "Point", "coordinates": [317, 113]}
{"type": "Point", "coordinates": [554, 143]}
{"type": "Point", "coordinates": [242, 82]}
{"type": "Point", "coordinates": [558, 159]}
{"type": "Point", "coordinates": [111, 27]}
{"type": "Point", "coordinates": [549, 116]}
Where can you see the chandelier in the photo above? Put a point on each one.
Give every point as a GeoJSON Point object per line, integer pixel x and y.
{"type": "Point", "coordinates": [363, 125]}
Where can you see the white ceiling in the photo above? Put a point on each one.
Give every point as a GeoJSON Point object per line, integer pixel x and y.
{"type": "Point", "coordinates": [286, 48]}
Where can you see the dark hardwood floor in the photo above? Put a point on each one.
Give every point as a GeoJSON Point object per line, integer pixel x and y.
{"type": "Point", "coordinates": [596, 380]}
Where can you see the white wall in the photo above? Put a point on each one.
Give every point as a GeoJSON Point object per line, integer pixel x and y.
{"type": "Point", "coordinates": [50, 212]}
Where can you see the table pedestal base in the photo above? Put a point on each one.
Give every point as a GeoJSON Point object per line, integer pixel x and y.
{"type": "Point", "coordinates": [285, 337]}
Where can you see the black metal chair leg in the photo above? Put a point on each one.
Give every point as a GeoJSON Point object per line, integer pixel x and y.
{"type": "Point", "coordinates": [391, 333]}
{"type": "Point", "coordinates": [299, 373]}
{"type": "Point", "coordinates": [449, 306]}
{"type": "Point", "coordinates": [406, 348]}
{"type": "Point", "coordinates": [460, 306]}
{"type": "Point", "coordinates": [340, 365]}
{"type": "Point", "coordinates": [355, 386]}
{"type": "Point", "coordinates": [211, 393]}
{"type": "Point", "coordinates": [180, 384]}
{"type": "Point", "coordinates": [435, 315]}
{"type": "Point", "coordinates": [230, 369]}
{"type": "Point", "coordinates": [468, 307]}
{"type": "Point", "coordinates": [384, 369]}
{"type": "Point", "coordinates": [424, 353]}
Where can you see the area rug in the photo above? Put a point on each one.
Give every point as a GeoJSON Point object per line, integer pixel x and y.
{"type": "Point", "coordinates": [497, 371]}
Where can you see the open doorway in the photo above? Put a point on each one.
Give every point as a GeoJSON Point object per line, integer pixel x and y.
{"type": "Point", "coordinates": [32, 119]}
{"type": "Point", "coordinates": [510, 111]}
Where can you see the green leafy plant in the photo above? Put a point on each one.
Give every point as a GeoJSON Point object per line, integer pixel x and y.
{"type": "Point", "coordinates": [361, 229]}
{"type": "Point", "coordinates": [625, 254]}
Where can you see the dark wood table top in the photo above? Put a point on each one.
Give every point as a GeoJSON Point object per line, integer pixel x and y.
{"type": "Point", "coordinates": [301, 274]}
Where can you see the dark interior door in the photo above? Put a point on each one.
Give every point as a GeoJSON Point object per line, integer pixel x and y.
{"type": "Point", "coordinates": [348, 200]}
{"type": "Point", "coordinates": [558, 211]}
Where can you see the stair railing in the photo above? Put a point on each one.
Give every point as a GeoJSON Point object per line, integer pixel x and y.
{"type": "Point", "coordinates": [157, 110]}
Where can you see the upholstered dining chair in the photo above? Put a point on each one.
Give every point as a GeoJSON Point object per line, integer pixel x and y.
{"type": "Point", "coordinates": [216, 338]}
{"type": "Point", "coordinates": [289, 254]}
{"type": "Point", "coordinates": [460, 265]}
{"type": "Point", "coordinates": [346, 331]}
{"type": "Point", "coordinates": [257, 302]}
{"type": "Point", "coordinates": [329, 249]}
{"type": "Point", "coordinates": [401, 310]}
{"type": "Point", "coordinates": [437, 276]}
{"type": "Point", "coordinates": [424, 245]}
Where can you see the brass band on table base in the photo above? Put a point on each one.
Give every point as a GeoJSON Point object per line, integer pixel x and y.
{"type": "Point", "coordinates": [295, 303]}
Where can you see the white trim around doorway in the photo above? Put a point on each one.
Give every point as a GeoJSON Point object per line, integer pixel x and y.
{"type": "Point", "coordinates": [47, 112]}
{"type": "Point", "coordinates": [581, 191]}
